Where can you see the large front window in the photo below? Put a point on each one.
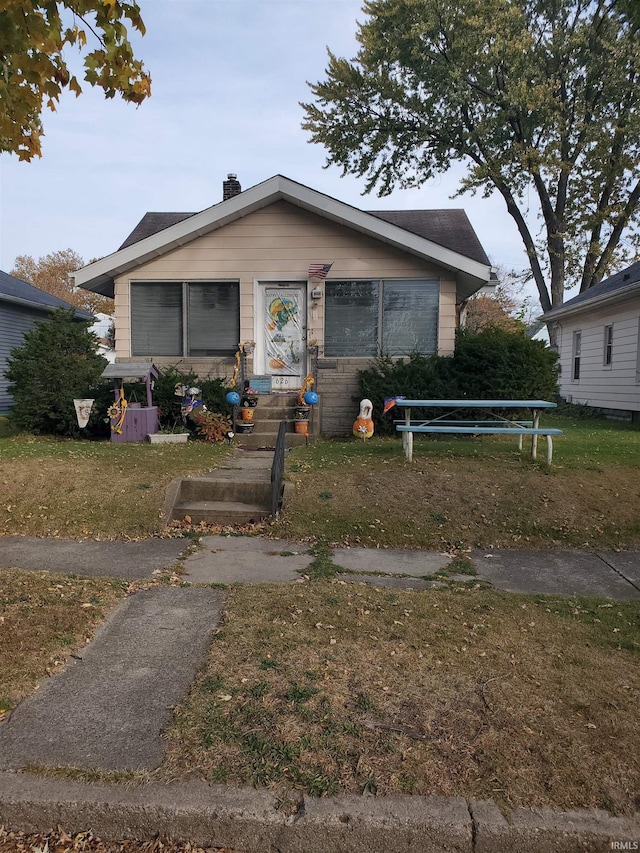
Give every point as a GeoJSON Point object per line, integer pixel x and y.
{"type": "Point", "coordinates": [189, 318]}
{"type": "Point", "coordinates": [364, 318]}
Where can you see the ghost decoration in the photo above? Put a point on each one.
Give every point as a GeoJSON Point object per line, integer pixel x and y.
{"type": "Point", "coordinates": [363, 424]}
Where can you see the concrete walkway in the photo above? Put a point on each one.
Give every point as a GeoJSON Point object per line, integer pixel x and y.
{"type": "Point", "coordinates": [233, 559]}
{"type": "Point", "coordinates": [107, 711]}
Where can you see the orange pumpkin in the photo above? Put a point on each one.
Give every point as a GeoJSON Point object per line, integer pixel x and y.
{"type": "Point", "coordinates": [246, 414]}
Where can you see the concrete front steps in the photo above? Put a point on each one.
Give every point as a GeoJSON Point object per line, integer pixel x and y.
{"type": "Point", "coordinates": [238, 493]}
{"type": "Point", "coordinates": [271, 409]}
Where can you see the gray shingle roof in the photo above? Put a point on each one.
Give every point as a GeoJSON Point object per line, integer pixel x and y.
{"type": "Point", "coordinates": [15, 288]}
{"type": "Point", "coordinates": [618, 281]}
{"type": "Point", "coordinates": [448, 228]}
{"type": "Point", "coordinates": [151, 223]}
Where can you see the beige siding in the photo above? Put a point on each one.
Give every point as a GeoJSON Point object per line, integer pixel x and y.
{"type": "Point", "coordinates": [613, 386]}
{"type": "Point", "coordinates": [277, 244]}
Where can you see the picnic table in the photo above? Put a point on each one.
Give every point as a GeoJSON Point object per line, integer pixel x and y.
{"type": "Point", "coordinates": [453, 422]}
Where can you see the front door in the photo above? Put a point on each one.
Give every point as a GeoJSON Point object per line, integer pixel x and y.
{"type": "Point", "coordinates": [283, 334]}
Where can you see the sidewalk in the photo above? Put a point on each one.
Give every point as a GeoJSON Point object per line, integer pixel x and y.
{"type": "Point", "coordinates": [107, 710]}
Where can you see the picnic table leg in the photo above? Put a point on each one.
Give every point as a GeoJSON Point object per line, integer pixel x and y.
{"type": "Point", "coordinates": [534, 437]}
{"type": "Point", "coordinates": [520, 442]}
{"type": "Point", "coordinates": [408, 451]}
{"type": "Point", "coordinates": [549, 449]}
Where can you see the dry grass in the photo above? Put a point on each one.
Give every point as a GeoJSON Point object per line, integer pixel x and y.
{"type": "Point", "coordinates": [466, 494]}
{"type": "Point", "coordinates": [45, 618]}
{"type": "Point", "coordinates": [75, 489]}
{"type": "Point", "coordinates": [62, 842]}
{"type": "Point", "coordinates": [332, 687]}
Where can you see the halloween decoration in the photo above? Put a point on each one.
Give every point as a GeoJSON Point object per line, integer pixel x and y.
{"type": "Point", "coordinates": [363, 424]}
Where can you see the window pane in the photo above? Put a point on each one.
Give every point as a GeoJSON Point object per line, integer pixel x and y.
{"type": "Point", "coordinates": [577, 345]}
{"type": "Point", "coordinates": [608, 345]}
{"type": "Point", "coordinates": [214, 318]}
{"type": "Point", "coordinates": [410, 317]}
{"type": "Point", "coordinates": [351, 318]}
{"type": "Point", "coordinates": [156, 319]}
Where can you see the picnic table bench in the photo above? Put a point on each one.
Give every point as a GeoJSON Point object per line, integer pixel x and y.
{"type": "Point", "coordinates": [496, 425]}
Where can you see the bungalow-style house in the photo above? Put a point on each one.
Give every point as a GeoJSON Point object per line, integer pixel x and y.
{"type": "Point", "coordinates": [286, 271]}
{"type": "Point", "coordinates": [21, 306]}
{"type": "Point", "coordinates": [599, 345]}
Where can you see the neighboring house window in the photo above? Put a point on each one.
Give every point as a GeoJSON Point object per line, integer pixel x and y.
{"type": "Point", "coordinates": [198, 318]}
{"type": "Point", "coordinates": [363, 318]}
{"type": "Point", "coordinates": [608, 345]}
{"type": "Point", "coordinates": [577, 345]}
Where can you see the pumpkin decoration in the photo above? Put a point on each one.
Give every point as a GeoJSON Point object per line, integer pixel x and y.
{"type": "Point", "coordinates": [246, 414]}
{"type": "Point", "coordinates": [363, 424]}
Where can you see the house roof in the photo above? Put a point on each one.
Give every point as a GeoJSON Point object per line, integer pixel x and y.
{"type": "Point", "coordinates": [15, 290]}
{"type": "Point", "coordinates": [444, 237]}
{"type": "Point", "coordinates": [617, 288]}
{"type": "Point", "coordinates": [449, 228]}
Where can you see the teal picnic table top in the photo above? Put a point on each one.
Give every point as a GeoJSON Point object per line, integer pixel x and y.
{"type": "Point", "coordinates": [477, 404]}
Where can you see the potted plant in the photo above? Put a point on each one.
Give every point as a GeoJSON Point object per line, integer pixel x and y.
{"type": "Point", "coordinates": [249, 397]}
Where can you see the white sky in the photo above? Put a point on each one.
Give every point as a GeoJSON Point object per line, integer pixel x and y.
{"type": "Point", "coordinates": [228, 76]}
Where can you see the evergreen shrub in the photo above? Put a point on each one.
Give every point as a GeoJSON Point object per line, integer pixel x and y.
{"type": "Point", "coordinates": [56, 363]}
{"type": "Point", "coordinates": [490, 364]}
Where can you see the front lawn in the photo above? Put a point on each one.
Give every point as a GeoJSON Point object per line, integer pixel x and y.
{"type": "Point", "coordinates": [461, 493]}
{"type": "Point", "coordinates": [80, 489]}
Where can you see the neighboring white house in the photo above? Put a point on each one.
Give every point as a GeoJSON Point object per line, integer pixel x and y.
{"type": "Point", "coordinates": [599, 344]}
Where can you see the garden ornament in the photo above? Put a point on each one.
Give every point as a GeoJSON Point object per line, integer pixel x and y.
{"type": "Point", "coordinates": [363, 424]}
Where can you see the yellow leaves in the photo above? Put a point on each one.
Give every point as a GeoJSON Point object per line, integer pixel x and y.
{"type": "Point", "coordinates": [33, 71]}
{"type": "Point", "coordinates": [74, 86]}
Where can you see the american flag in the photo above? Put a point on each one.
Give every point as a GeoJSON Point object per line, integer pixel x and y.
{"type": "Point", "coordinates": [319, 270]}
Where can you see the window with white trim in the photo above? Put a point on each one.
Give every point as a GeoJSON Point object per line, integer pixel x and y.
{"type": "Point", "coordinates": [607, 356]}
{"type": "Point", "coordinates": [577, 346]}
{"type": "Point", "coordinates": [397, 317]}
{"type": "Point", "coordinates": [189, 318]}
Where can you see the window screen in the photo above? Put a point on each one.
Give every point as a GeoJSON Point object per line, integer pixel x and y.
{"type": "Point", "coordinates": [160, 311]}
{"type": "Point", "coordinates": [156, 319]}
{"type": "Point", "coordinates": [351, 318]}
{"type": "Point", "coordinates": [213, 318]}
{"type": "Point", "coordinates": [410, 317]}
{"type": "Point", "coordinates": [363, 318]}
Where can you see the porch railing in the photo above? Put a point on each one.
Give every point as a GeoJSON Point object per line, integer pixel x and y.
{"type": "Point", "coordinates": [277, 469]}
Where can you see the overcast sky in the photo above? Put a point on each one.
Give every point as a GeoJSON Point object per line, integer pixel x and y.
{"type": "Point", "coordinates": [228, 76]}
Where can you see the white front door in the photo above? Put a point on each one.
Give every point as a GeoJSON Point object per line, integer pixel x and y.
{"type": "Point", "coordinates": [282, 334]}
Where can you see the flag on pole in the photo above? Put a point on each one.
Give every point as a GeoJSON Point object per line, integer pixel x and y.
{"type": "Point", "coordinates": [319, 270]}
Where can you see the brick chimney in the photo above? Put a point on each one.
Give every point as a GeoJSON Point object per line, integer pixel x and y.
{"type": "Point", "coordinates": [231, 187]}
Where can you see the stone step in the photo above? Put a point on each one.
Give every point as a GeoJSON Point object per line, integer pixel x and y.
{"type": "Point", "coordinates": [219, 512]}
{"type": "Point", "coordinates": [268, 439]}
{"type": "Point", "coordinates": [227, 488]}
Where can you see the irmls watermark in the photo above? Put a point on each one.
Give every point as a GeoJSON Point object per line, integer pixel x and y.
{"type": "Point", "coordinates": [625, 845]}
